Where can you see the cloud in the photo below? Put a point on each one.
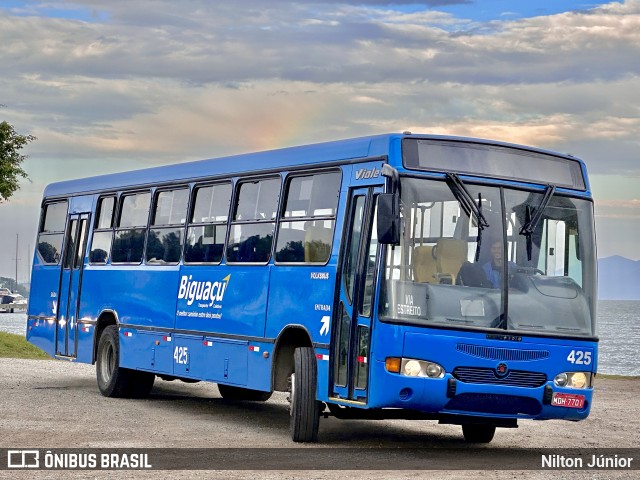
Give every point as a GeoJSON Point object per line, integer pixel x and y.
{"type": "Point", "coordinates": [163, 81]}
{"type": "Point", "coordinates": [208, 43]}
{"type": "Point", "coordinates": [111, 86]}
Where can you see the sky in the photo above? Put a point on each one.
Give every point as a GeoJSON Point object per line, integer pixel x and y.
{"type": "Point", "coordinates": [109, 86]}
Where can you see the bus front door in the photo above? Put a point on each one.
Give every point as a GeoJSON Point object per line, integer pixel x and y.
{"type": "Point", "coordinates": [70, 281]}
{"type": "Point", "coordinates": [352, 322]}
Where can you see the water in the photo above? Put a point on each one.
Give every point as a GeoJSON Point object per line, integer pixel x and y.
{"type": "Point", "coordinates": [618, 329]}
{"type": "Point", "coordinates": [13, 323]}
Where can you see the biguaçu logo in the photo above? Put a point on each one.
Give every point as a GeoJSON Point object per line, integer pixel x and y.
{"type": "Point", "coordinates": [193, 290]}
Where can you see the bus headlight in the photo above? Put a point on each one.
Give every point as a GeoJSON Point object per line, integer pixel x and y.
{"type": "Point", "coordinates": [410, 367]}
{"type": "Point", "coordinates": [576, 380]}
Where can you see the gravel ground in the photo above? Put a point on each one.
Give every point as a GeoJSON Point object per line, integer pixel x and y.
{"type": "Point", "coordinates": [55, 404]}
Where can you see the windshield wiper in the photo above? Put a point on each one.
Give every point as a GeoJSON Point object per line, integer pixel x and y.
{"type": "Point", "coordinates": [470, 207]}
{"type": "Point", "coordinates": [466, 200]}
{"type": "Point", "coordinates": [531, 222]}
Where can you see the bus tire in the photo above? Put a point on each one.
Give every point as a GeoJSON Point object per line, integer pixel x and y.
{"type": "Point", "coordinates": [229, 392]}
{"type": "Point", "coordinates": [478, 433]}
{"type": "Point", "coordinates": [304, 408]}
{"type": "Point", "coordinates": [113, 380]}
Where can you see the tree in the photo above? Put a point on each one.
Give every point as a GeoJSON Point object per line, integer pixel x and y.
{"type": "Point", "coordinates": [11, 159]}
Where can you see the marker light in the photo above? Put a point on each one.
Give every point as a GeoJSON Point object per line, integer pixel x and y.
{"type": "Point", "coordinates": [577, 380]}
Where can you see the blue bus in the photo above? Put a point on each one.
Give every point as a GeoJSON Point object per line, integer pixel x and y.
{"type": "Point", "coordinates": [392, 276]}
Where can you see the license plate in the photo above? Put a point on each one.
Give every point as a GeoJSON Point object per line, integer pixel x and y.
{"type": "Point", "coordinates": [568, 400]}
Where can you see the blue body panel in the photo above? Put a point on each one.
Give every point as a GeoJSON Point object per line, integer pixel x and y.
{"type": "Point", "coordinates": [143, 296]}
{"type": "Point", "coordinates": [468, 349]}
{"type": "Point", "coordinates": [222, 323]}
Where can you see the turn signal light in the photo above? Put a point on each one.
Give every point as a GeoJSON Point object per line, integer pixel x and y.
{"type": "Point", "coordinates": [392, 364]}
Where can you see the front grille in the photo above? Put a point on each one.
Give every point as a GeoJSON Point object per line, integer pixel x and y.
{"type": "Point", "coordinates": [504, 354]}
{"type": "Point", "coordinates": [514, 378]}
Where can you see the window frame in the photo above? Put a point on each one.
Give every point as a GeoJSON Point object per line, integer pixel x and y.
{"type": "Point", "coordinates": [283, 208]}
{"type": "Point", "coordinates": [190, 223]}
{"type": "Point", "coordinates": [96, 225]}
{"type": "Point", "coordinates": [117, 228]}
{"type": "Point", "coordinates": [234, 210]}
{"type": "Point", "coordinates": [41, 231]}
{"type": "Point", "coordinates": [152, 226]}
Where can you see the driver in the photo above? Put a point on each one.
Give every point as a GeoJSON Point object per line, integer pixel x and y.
{"type": "Point", "coordinates": [493, 268]}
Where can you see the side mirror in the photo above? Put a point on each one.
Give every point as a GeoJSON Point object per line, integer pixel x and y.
{"type": "Point", "coordinates": [389, 219]}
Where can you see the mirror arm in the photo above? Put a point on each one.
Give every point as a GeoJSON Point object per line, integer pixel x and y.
{"type": "Point", "coordinates": [394, 178]}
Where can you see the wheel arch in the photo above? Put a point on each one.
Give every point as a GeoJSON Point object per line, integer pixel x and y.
{"type": "Point", "coordinates": [290, 338]}
{"type": "Point", "coordinates": [106, 318]}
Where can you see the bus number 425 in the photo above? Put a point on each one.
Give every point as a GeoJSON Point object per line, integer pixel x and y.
{"type": "Point", "coordinates": [181, 355]}
{"type": "Point", "coordinates": [579, 357]}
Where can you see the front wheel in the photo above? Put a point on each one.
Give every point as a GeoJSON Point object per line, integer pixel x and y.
{"type": "Point", "coordinates": [304, 408]}
{"type": "Point", "coordinates": [478, 433]}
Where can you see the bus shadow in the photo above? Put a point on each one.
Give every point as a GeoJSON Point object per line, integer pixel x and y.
{"type": "Point", "coordinates": [273, 417]}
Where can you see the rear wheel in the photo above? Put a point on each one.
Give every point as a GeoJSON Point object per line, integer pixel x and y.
{"type": "Point", "coordinates": [304, 408]}
{"type": "Point", "coordinates": [238, 393]}
{"type": "Point", "coordinates": [113, 380]}
{"type": "Point", "coordinates": [478, 433]}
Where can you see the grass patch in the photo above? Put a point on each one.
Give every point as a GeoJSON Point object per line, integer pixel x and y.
{"type": "Point", "coordinates": [15, 346]}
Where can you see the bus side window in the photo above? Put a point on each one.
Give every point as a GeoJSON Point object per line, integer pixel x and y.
{"type": "Point", "coordinates": [103, 231]}
{"type": "Point", "coordinates": [305, 233]}
{"type": "Point", "coordinates": [208, 224]}
{"type": "Point", "coordinates": [128, 241]}
{"type": "Point", "coordinates": [164, 242]}
{"type": "Point", "coordinates": [253, 221]}
{"type": "Point", "coordinates": [54, 217]}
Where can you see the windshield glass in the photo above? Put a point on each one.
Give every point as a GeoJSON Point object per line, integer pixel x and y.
{"type": "Point", "coordinates": [449, 271]}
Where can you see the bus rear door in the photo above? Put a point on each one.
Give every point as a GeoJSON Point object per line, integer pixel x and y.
{"type": "Point", "coordinates": [70, 281]}
{"type": "Point", "coordinates": [352, 322]}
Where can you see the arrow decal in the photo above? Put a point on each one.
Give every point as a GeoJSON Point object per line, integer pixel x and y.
{"type": "Point", "coordinates": [325, 325]}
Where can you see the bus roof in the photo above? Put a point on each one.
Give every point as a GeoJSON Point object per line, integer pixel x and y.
{"type": "Point", "coordinates": [280, 159]}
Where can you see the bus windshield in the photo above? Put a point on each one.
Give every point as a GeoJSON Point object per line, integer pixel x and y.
{"type": "Point", "coordinates": [515, 260]}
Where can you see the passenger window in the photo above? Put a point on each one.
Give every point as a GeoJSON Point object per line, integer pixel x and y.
{"type": "Point", "coordinates": [306, 227]}
{"type": "Point", "coordinates": [128, 241]}
{"type": "Point", "coordinates": [208, 224]}
{"type": "Point", "coordinates": [106, 207]}
{"type": "Point", "coordinates": [164, 242]}
{"type": "Point", "coordinates": [54, 217]}
{"type": "Point", "coordinates": [103, 231]}
{"type": "Point", "coordinates": [254, 221]}
{"type": "Point", "coordinates": [135, 210]}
